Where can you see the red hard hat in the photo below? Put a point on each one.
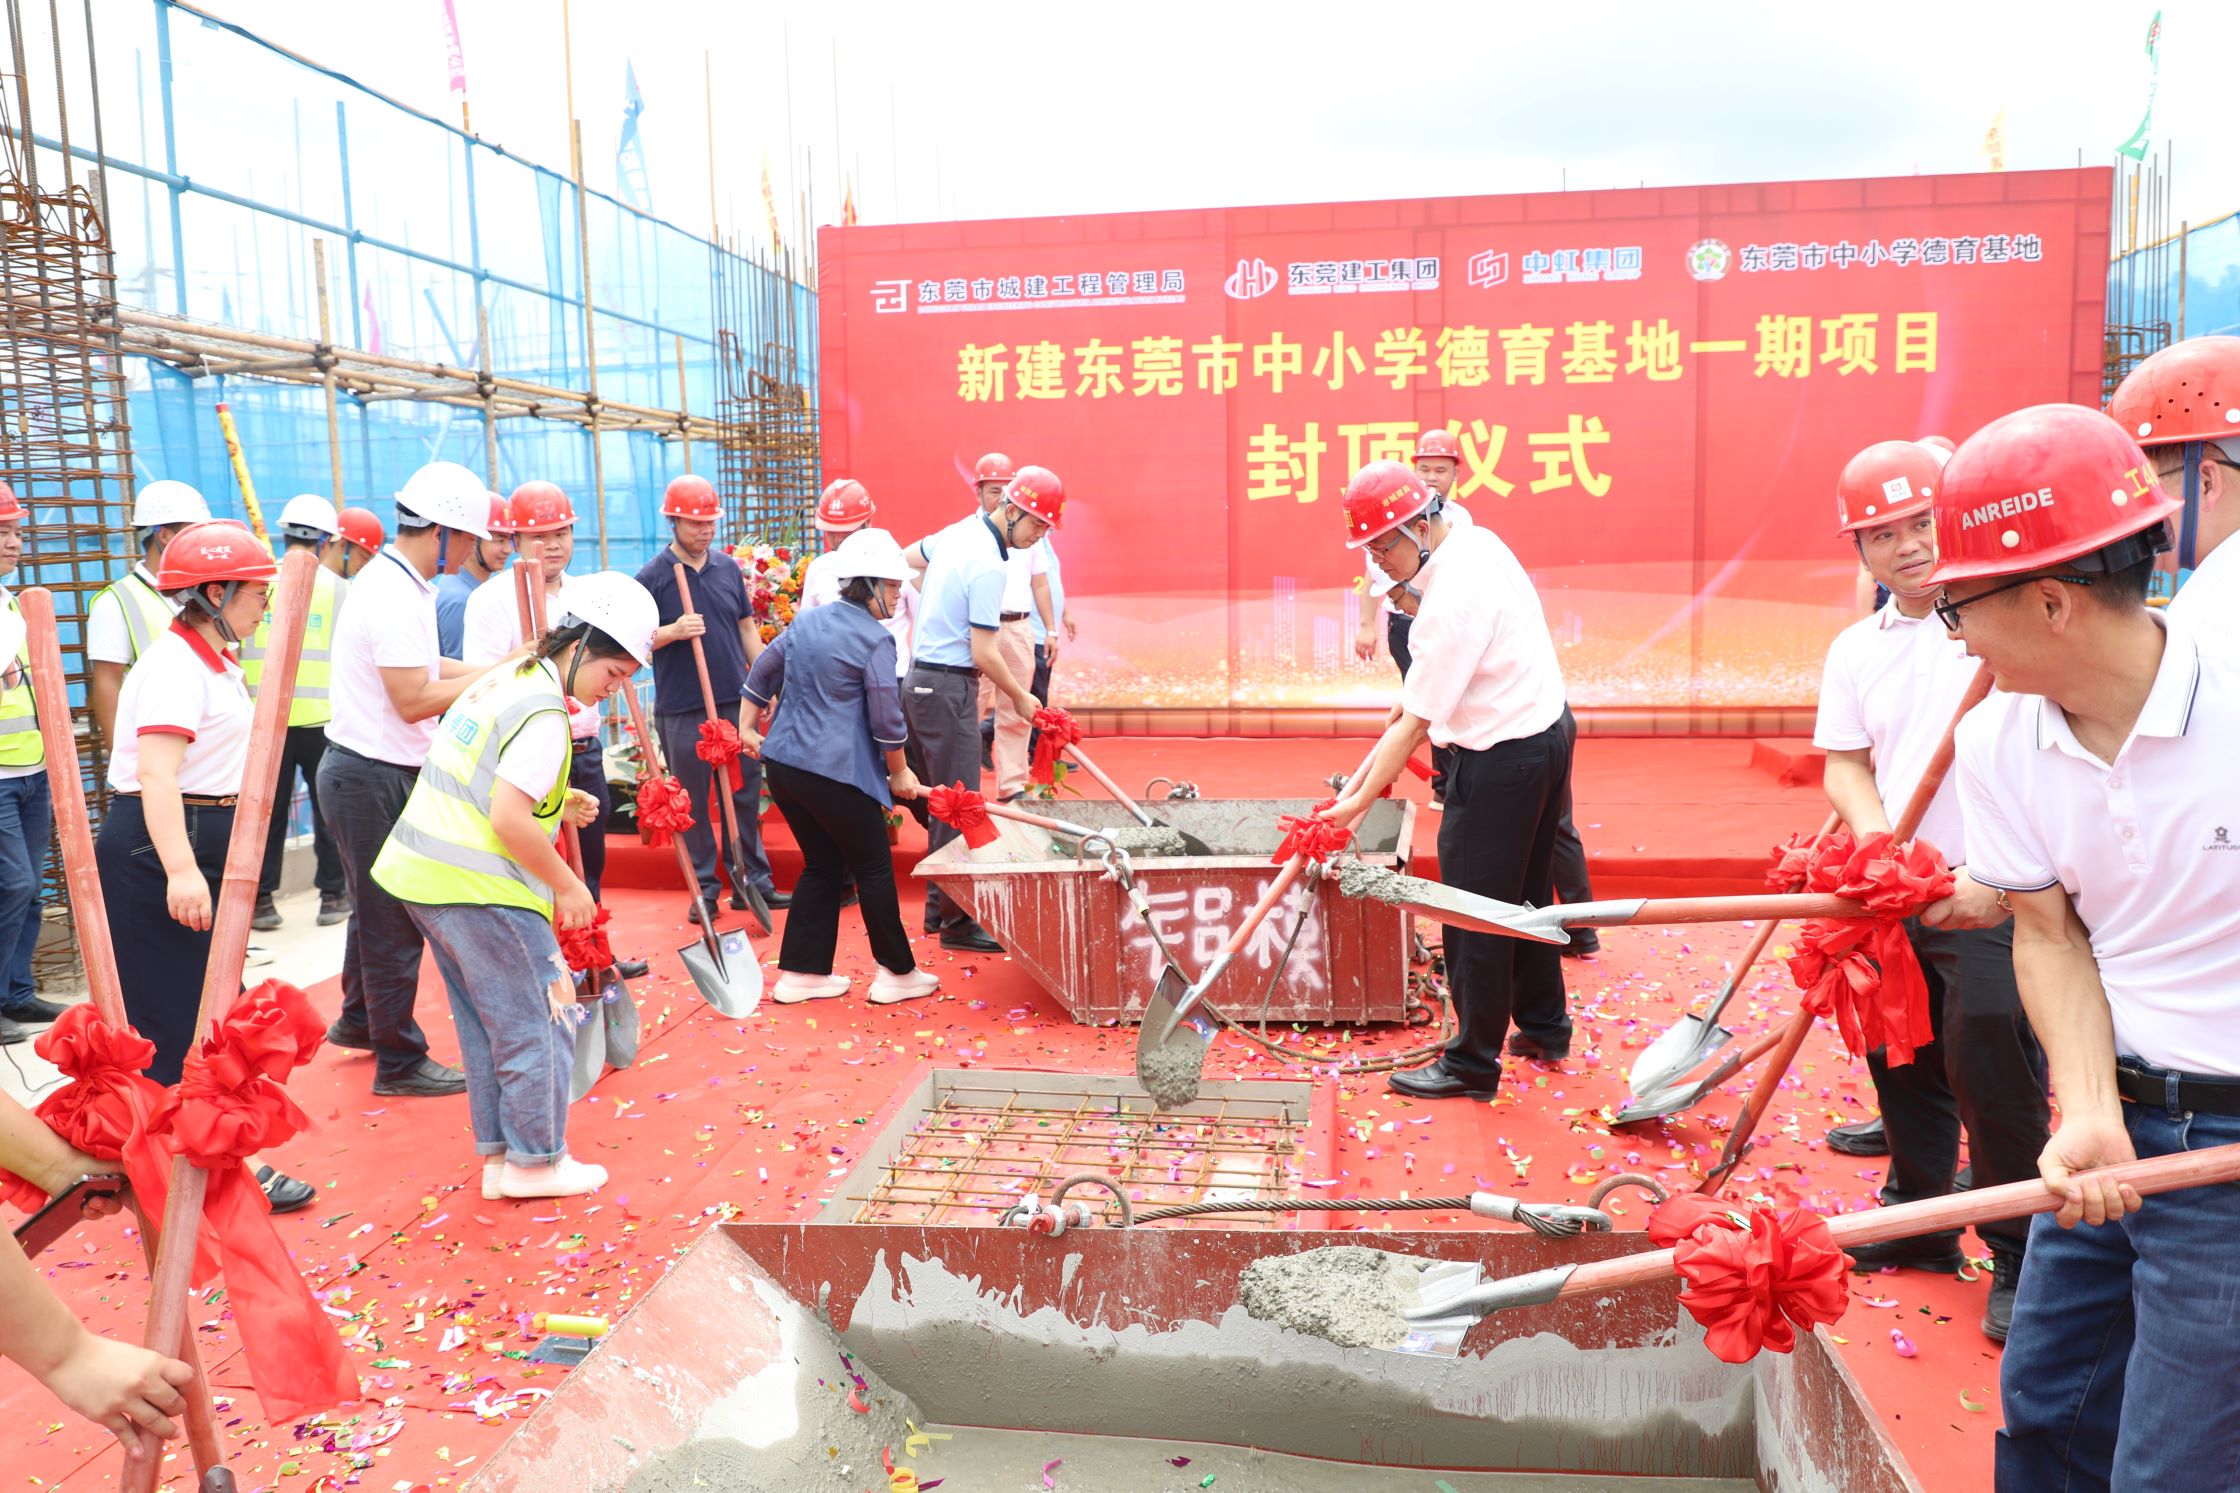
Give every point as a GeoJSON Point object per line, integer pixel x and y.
{"type": "Point", "coordinates": [844, 506]}
{"type": "Point", "coordinates": [1381, 497]}
{"type": "Point", "coordinates": [219, 549]}
{"type": "Point", "coordinates": [2190, 391]}
{"type": "Point", "coordinates": [2049, 483]}
{"type": "Point", "coordinates": [540, 508]}
{"type": "Point", "coordinates": [994, 467]}
{"type": "Point", "coordinates": [11, 510]}
{"type": "Point", "coordinates": [1038, 491]}
{"type": "Point", "coordinates": [1438, 441]}
{"type": "Point", "coordinates": [1888, 481]}
{"type": "Point", "coordinates": [501, 519]}
{"type": "Point", "coordinates": [690, 496]}
{"type": "Point", "coordinates": [362, 528]}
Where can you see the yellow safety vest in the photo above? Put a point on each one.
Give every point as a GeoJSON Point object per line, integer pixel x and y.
{"type": "Point", "coordinates": [442, 850]}
{"type": "Point", "coordinates": [20, 742]}
{"type": "Point", "coordinates": [309, 706]}
{"type": "Point", "coordinates": [147, 616]}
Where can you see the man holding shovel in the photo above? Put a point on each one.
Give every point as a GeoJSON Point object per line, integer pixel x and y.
{"type": "Point", "coordinates": [2098, 789]}
{"type": "Point", "coordinates": [1892, 684]}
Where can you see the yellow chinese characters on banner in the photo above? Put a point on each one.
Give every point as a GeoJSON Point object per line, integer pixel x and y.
{"type": "Point", "coordinates": [1281, 464]}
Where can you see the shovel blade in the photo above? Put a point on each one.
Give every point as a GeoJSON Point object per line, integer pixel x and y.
{"type": "Point", "coordinates": [618, 1013]}
{"type": "Point", "coordinates": [1676, 1053]}
{"type": "Point", "coordinates": [757, 908]}
{"type": "Point", "coordinates": [1655, 1104]}
{"type": "Point", "coordinates": [725, 972]}
{"type": "Point", "coordinates": [1171, 1045]}
{"type": "Point", "coordinates": [590, 1061]}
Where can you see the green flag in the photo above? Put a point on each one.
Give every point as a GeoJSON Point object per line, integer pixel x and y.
{"type": "Point", "coordinates": [2136, 146]}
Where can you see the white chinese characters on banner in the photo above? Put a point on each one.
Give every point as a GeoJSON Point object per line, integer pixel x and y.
{"type": "Point", "coordinates": [1196, 921]}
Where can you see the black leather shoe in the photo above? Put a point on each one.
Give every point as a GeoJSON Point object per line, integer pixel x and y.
{"type": "Point", "coordinates": [849, 899]}
{"type": "Point", "coordinates": [430, 1080]}
{"type": "Point", "coordinates": [356, 1038]}
{"type": "Point", "coordinates": [1433, 1081]}
{"type": "Point", "coordinates": [266, 917]}
{"type": "Point", "coordinates": [1582, 946]}
{"type": "Point", "coordinates": [334, 907]}
{"type": "Point", "coordinates": [692, 909]}
{"type": "Point", "coordinates": [283, 1192]}
{"type": "Point", "coordinates": [11, 1033]}
{"type": "Point", "coordinates": [1537, 1051]}
{"type": "Point", "coordinates": [1939, 1253]}
{"type": "Point", "coordinates": [1964, 1180]}
{"type": "Point", "coordinates": [1998, 1310]}
{"type": "Point", "coordinates": [772, 899]}
{"type": "Point", "coordinates": [35, 1012]}
{"type": "Point", "coordinates": [1860, 1138]}
{"type": "Point", "coordinates": [970, 938]}
{"type": "Point", "coordinates": [630, 969]}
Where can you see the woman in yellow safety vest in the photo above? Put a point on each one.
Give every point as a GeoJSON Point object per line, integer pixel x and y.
{"type": "Point", "coordinates": [472, 860]}
{"type": "Point", "coordinates": [175, 768]}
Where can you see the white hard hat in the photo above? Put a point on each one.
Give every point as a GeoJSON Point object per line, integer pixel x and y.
{"type": "Point", "coordinates": [618, 606]}
{"type": "Point", "coordinates": [870, 554]}
{"type": "Point", "coordinates": [446, 493]}
{"type": "Point", "coordinates": [310, 511]}
{"type": "Point", "coordinates": [168, 502]}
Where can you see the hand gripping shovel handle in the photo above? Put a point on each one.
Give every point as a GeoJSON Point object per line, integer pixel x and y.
{"type": "Point", "coordinates": [1234, 942]}
{"type": "Point", "coordinates": [734, 856]}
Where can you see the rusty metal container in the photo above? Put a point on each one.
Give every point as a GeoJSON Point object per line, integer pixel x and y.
{"type": "Point", "coordinates": [1071, 926]}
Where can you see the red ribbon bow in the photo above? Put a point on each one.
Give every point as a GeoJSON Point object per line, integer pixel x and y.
{"type": "Point", "coordinates": [964, 811]}
{"type": "Point", "coordinates": [227, 1106]}
{"type": "Point", "coordinates": [104, 1110]}
{"type": "Point", "coordinates": [720, 746]}
{"type": "Point", "coordinates": [664, 808]}
{"type": "Point", "coordinates": [586, 948]}
{"type": "Point", "coordinates": [1316, 839]}
{"type": "Point", "coordinates": [1753, 1278]}
{"type": "Point", "coordinates": [1864, 974]}
{"type": "Point", "coordinates": [1058, 731]}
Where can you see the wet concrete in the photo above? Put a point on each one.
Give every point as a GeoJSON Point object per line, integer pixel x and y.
{"type": "Point", "coordinates": [1347, 1294]}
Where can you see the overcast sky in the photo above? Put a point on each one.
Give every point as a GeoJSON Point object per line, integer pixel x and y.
{"type": "Point", "coordinates": [1015, 109]}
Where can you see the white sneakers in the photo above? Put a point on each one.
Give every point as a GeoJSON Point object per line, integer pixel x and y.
{"type": "Point", "coordinates": [890, 987]}
{"type": "Point", "coordinates": [793, 988]}
{"type": "Point", "coordinates": [564, 1178]}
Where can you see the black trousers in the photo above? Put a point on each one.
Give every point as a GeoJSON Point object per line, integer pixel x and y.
{"type": "Point", "coordinates": [306, 746]}
{"type": "Point", "coordinates": [587, 770]}
{"type": "Point", "coordinates": [1985, 1071]}
{"type": "Point", "coordinates": [1572, 882]}
{"type": "Point", "coordinates": [160, 961]}
{"type": "Point", "coordinates": [944, 714]}
{"type": "Point", "coordinates": [842, 831]}
{"type": "Point", "coordinates": [1498, 839]}
{"type": "Point", "coordinates": [362, 798]}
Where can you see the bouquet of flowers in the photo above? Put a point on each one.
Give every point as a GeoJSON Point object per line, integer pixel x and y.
{"type": "Point", "coordinates": [773, 583]}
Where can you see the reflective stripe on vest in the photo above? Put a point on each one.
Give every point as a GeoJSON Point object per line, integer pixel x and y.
{"type": "Point", "coordinates": [309, 705]}
{"type": "Point", "coordinates": [147, 616]}
{"type": "Point", "coordinates": [443, 849]}
{"type": "Point", "coordinates": [20, 742]}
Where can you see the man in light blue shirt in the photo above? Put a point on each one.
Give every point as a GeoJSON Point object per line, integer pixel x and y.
{"type": "Point", "coordinates": [960, 614]}
{"type": "Point", "coordinates": [483, 559]}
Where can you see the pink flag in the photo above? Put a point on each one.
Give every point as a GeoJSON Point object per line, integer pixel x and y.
{"type": "Point", "coordinates": [373, 321]}
{"type": "Point", "coordinates": [455, 54]}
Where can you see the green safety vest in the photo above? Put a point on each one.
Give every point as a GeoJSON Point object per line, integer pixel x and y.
{"type": "Point", "coordinates": [442, 850]}
{"type": "Point", "coordinates": [147, 616]}
{"type": "Point", "coordinates": [20, 742]}
{"type": "Point", "coordinates": [309, 706]}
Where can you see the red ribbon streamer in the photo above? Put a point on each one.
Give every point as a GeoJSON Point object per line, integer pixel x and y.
{"type": "Point", "coordinates": [1316, 839]}
{"type": "Point", "coordinates": [105, 1109]}
{"type": "Point", "coordinates": [227, 1106]}
{"type": "Point", "coordinates": [1058, 731]}
{"type": "Point", "coordinates": [664, 808]}
{"type": "Point", "coordinates": [1753, 1287]}
{"type": "Point", "coordinates": [586, 948]}
{"type": "Point", "coordinates": [720, 746]}
{"type": "Point", "coordinates": [1683, 1213]}
{"type": "Point", "coordinates": [1864, 974]}
{"type": "Point", "coordinates": [964, 811]}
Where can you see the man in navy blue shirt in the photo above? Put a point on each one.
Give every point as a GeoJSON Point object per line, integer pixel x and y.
{"type": "Point", "coordinates": [723, 621]}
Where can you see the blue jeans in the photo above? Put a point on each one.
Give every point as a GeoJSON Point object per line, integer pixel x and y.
{"type": "Point", "coordinates": [26, 824]}
{"type": "Point", "coordinates": [2120, 1366]}
{"type": "Point", "coordinates": [516, 1057]}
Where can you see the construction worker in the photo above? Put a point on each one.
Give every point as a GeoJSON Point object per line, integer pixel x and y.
{"type": "Point", "coordinates": [723, 620]}
{"type": "Point", "coordinates": [2096, 785]}
{"type": "Point", "coordinates": [960, 620]}
{"type": "Point", "coordinates": [175, 771]}
{"type": "Point", "coordinates": [472, 861]}
{"type": "Point", "coordinates": [1026, 601]}
{"type": "Point", "coordinates": [2183, 406]}
{"type": "Point", "coordinates": [1484, 682]}
{"type": "Point", "coordinates": [390, 683]}
{"type": "Point", "coordinates": [129, 615]}
{"type": "Point", "coordinates": [484, 559]}
{"type": "Point", "coordinates": [846, 509]}
{"type": "Point", "coordinates": [26, 808]}
{"type": "Point", "coordinates": [835, 762]}
{"type": "Point", "coordinates": [307, 522]}
{"type": "Point", "coordinates": [362, 538]}
{"type": "Point", "coordinates": [1890, 687]}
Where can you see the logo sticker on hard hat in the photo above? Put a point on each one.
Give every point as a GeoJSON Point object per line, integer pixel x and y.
{"type": "Point", "coordinates": [1897, 489]}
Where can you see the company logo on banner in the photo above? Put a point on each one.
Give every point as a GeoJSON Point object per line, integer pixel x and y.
{"type": "Point", "coordinates": [1708, 259]}
{"type": "Point", "coordinates": [1251, 279]}
{"type": "Point", "coordinates": [1362, 276]}
{"type": "Point", "coordinates": [1488, 269]}
{"type": "Point", "coordinates": [1581, 266]}
{"type": "Point", "coordinates": [1025, 292]}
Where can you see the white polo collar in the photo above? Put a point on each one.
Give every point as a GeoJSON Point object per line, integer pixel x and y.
{"type": "Point", "coordinates": [1889, 616]}
{"type": "Point", "coordinates": [2168, 711]}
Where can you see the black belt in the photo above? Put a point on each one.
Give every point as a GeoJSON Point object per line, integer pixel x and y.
{"type": "Point", "coordinates": [1014, 616]}
{"type": "Point", "coordinates": [586, 744]}
{"type": "Point", "coordinates": [2197, 1093]}
{"type": "Point", "coordinates": [198, 800]}
{"type": "Point", "coordinates": [944, 668]}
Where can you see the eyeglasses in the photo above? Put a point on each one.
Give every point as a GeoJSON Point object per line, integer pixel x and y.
{"type": "Point", "coordinates": [1948, 610]}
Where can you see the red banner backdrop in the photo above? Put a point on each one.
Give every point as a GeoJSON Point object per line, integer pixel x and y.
{"type": "Point", "coordinates": [1653, 390]}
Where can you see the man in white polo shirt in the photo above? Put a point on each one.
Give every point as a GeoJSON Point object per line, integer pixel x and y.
{"type": "Point", "coordinates": [390, 683]}
{"type": "Point", "coordinates": [1484, 682]}
{"type": "Point", "coordinates": [2183, 406]}
{"type": "Point", "coordinates": [2100, 794]}
{"type": "Point", "coordinates": [1004, 732]}
{"type": "Point", "coordinates": [1891, 685]}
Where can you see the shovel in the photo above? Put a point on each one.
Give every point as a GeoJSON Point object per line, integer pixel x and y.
{"type": "Point", "coordinates": [734, 849]}
{"type": "Point", "coordinates": [723, 966]}
{"type": "Point", "coordinates": [1548, 924]}
{"type": "Point", "coordinates": [1682, 1092]}
{"type": "Point", "coordinates": [1191, 844]}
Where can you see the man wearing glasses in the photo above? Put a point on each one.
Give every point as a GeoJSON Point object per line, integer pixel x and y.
{"type": "Point", "coordinates": [2183, 406]}
{"type": "Point", "coordinates": [1891, 685]}
{"type": "Point", "coordinates": [1484, 682]}
{"type": "Point", "coordinates": [2094, 787]}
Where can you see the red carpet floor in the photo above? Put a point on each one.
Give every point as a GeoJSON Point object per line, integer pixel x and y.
{"type": "Point", "coordinates": [431, 1284]}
